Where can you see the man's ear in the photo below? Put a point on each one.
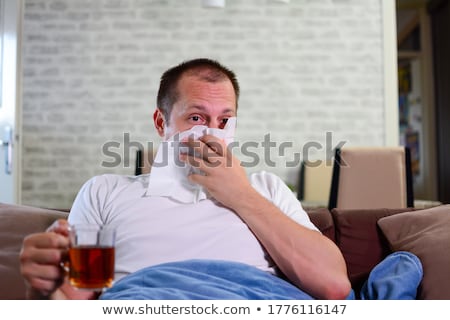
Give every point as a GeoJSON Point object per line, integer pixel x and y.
{"type": "Point", "coordinates": [159, 121]}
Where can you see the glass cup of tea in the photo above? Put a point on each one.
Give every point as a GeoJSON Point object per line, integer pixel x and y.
{"type": "Point", "coordinates": [91, 256]}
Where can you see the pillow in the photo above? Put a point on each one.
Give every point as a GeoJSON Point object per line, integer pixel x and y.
{"type": "Point", "coordinates": [16, 222]}
{"type": "Point", "coordinates": [425, 233]}
{"type": "Point", "coordinates": [360, 241]}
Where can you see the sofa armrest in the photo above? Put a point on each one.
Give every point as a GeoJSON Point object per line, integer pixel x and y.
{"type": "Point", "coordinates": [16, 222]}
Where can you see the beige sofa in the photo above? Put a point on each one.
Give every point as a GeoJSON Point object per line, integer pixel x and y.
{"type": "Point", "coordinates": [365, 237]}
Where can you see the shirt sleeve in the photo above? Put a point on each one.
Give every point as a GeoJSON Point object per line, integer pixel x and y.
{"type": "Point", "coordinates": [276, 191]}
{"type": "Point", "coordinates": [90, 201]}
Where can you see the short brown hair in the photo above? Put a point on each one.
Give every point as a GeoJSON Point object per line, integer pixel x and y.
{"type": "Point", "coordinates": [207, 69]}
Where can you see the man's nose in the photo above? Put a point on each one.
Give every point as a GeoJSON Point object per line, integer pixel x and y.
{"type": "Point", "coordinates": [215, 124]}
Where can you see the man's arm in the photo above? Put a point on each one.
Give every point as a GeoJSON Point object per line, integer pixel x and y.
{"type": "Point", "coordinates": [309, 259]}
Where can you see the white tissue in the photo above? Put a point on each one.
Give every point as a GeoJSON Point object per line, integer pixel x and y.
{"type": "Point", "coordinates": [169, 175]}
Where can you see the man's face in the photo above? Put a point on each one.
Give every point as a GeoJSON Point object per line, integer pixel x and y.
{"type": "Point", "coordinates": [200, 103]}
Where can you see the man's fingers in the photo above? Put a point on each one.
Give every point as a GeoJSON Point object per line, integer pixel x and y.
{"type": "Point", "coordinates": [47, 249]}
{"type": "Point", "coordinates": [202, 164]}
{"type": "Point", "coordinates": [60, 226]}
{"type": "Point", "coordinates": [43, 272]}
{"type": "Point", "coordinates": [198, 178]}
{"type": "Point", "coordinates": [43, 285]}
{"type": "Point", "coordinates": [215, 144]}
{"type": "Point", "coordinates": [44, 256]}
{"type": "Point", "coordinates": [206, 147]}
{"type": "Point", "coordinates": [46, 240]}
{"type": "Point", "coordinates": [42, 269]}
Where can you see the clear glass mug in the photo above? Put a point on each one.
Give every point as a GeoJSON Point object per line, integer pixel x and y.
{"type": "Point", "coordinates": [91, 256]}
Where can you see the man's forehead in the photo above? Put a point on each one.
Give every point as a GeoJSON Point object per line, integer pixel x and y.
{"type": "Point", "coordinates": [185, 80]}
{"type": "Point", "coordinates": [201, 108]}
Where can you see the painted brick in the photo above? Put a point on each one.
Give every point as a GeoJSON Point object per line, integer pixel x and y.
{"type": "Point", "coordinates": [91, 71]}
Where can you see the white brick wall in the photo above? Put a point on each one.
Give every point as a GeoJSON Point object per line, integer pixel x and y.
{"type": "Point", "coordinates": [91, 71]}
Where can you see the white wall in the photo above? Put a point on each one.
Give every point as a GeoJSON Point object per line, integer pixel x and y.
{"type": "Point", "coordinates": [91, 72]}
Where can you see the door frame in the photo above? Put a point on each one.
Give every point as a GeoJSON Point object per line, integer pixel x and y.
{"type": "Point", "coordinates": [440, 14]}
{"type": "Point", "coordinates": [12, 17]}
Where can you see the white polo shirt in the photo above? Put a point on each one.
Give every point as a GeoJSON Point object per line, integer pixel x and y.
{"type": "Point", "coordinates": [154, 229]}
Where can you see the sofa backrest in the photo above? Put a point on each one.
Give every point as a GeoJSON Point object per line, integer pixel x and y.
{"type": "Point", "coordinates": [354, 231]}
{"type": "Point", "coordinates": [357, 235]}
{"type": "Point", "coordinates": [360, 240]}
{"type": "Point", "coordinates": [16, 222]}
{"type": "Point", "coordinates": [323, 220]}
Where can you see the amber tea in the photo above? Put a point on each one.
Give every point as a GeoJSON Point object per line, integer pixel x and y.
{"type": "Point", "coordinates": [91, 267]}
{"type": "Point", "coordinates": [91, 257]}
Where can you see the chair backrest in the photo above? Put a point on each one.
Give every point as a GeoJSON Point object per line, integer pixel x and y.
{"type": "Point", "coordinates": [314, 181]}
{"type": "Point", "coordinates": [144, 160]}
{"type": "Point", "coordinates": [371, 177]}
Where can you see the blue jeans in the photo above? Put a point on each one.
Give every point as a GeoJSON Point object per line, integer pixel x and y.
{"type": "Point", "coordinates": [397, 277]}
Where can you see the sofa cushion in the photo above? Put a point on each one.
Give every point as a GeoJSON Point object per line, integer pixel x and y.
{"type": "Point", "coordinates": [16, 222]}
{"type": "Point", "coordinates": [322, 219]}
{"type": "Point", "coordinates": [426, 233]}
{"type": "Point", "coordinates": [359, 239]}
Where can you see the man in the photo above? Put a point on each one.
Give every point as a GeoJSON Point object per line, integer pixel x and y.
{"type": "Point", "coordinates": [255, 221]}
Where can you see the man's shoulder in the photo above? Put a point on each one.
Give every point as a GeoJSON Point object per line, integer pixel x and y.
{"type": "Point", "coordinates": [268, 184]}
{"type": "Point", "coordinates": [264, 178]}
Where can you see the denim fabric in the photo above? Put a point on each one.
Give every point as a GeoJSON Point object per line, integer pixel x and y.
{"type": "Point", "coordinates": [202, 280]}
{"type": "Point", "coordinates": [397, 277]}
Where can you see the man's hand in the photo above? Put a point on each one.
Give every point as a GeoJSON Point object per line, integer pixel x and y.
{"type": "Point", "coordinates": [224, 177]}
{"type": "Point", "coordinates": [41, 257]}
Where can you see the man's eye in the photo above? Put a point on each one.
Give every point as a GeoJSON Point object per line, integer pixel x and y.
{"type": "Point", "coordinates": [223, 123]}
{"type": "Point", "coordinates": [195, 118]}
